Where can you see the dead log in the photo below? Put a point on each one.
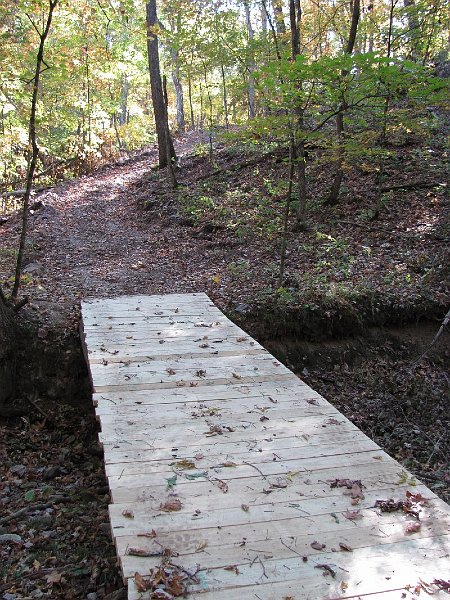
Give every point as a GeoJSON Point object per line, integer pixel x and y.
{"type": "Point", "coordinates": [18, 193]}
{"type": "Point", "coordinates": [409, 186]}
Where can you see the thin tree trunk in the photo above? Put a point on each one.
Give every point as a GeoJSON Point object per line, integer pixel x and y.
{"type": "Point", "coordinates": [340, 128]}
{"type": "Point", "coordinates": [159, 109]}
{"type": "Point", "coordinates": [35, 149]}
{"type": "Point", "coordinates": [170, 167]}
{"type": "Point", "coordinates": [251, 65]}
{"type": "Point", "coordinates": [88, 95]}
{"type": "Point", "coordinates": [287, 210]}
{"type": "Point", "coordinates": [277, 6]}
{"type": "Point", "coordinates": [174, 54]}
{"type": "Point", "coordinates": [383, 137]}
{"type": "Point", "coordinates": [295, 14]}
{"type": "Point", "coordinates": [191, 106]}
{"type": "Point", "coordinates": [225, 98]}
{"type": "Point", "coordinates": [8, 343]}
{"type": "Point", "coordinates": [413, 27]}
{"type": "Point", "coordinates": [124, 100]}
{"type": "Point", "coordinates": [263, 20]}
{"type": "Point", "coordinates": [181, 124]}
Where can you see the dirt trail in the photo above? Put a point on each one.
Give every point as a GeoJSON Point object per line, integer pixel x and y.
{"type": "Point", "coordinates": [90, 239]}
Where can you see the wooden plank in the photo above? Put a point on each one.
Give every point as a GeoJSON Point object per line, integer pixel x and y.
{"type": "Point", "coordinates": [156, 300]}
{"type": "Point", "coordinates": [360, 570]}
{"type": "Point", "coordinates": [302, 501]}
{"type": "Point", "coordinates": [177, 380]}
{"type": "Point", "coordinates": [245, 490]}
{"type": "Point", "coordinates": [199, 367]}
{"type": "Point", "coordinates": [214, 456]}
{"type": "Point", "coordinates": [292, 390]}
{"type": "Point", "coordinates": [208, 548]}
{"type": "Point", "coordinates": [214, 415]}
{"type": "Point", "coordinates": [141, 437]}
{"type": "Point", "coordinates": [108, 412]}
{"type": "Point", "coordinates": [166, 324]}
{"type": "Point", "coordinates": [150, 383]}
{"type": "Point", "coordinates": [143, 335]}
{"type": "Point", "coordinates": [132, 488]}
{"type": "Point", "coordinates": [226, 449]}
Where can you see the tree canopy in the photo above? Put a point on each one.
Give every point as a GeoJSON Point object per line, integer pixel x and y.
{"type": "Point", "coordinates": [226, 61]}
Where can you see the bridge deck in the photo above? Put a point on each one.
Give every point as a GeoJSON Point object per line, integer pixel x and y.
{"type": "Point", "coordinates": [218, 455]}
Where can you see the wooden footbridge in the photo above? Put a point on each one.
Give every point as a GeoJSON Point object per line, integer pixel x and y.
{"type": "Point", "coordinates": [232, 479]}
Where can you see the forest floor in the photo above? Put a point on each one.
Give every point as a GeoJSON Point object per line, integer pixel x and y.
{"type": "Point", "coordinates": [121, 230]}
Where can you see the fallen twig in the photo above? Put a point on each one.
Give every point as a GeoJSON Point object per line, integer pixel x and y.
{"type": "Point", "coordinates": [409, 186]}
{"type": "Point", "coordinates": [39, 409]}
{"type": "Point", "coordinates": [18, 193]}
{"type": "Point", "coordinates": [364, 225]}
{"type": "Point", "coordinates": [445, 322]}
{"type": "Point", "coordinates": [32, 507]}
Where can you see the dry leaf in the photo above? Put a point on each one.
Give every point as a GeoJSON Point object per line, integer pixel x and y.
{"type": "Point", "coordinates": [141, 552]}
{"type": "Point", "coordinates": [201, 546]}
{"type": "Point", "coordinates": [346, 547]}
{"type": "Point", "coordinates": [222, 485]}
{"type": "Point", "coordinates": [171, 505]}
{"type": "Point", "coordinates": [327, 569]}
{"type": "Point", "coordinates": [54, 577]}
{"type": "Point", "coordinates": [149, 534]}
{"type": "Point", "coordinates": [232, 568]}
{"type": "Point", "coordinates": [412, 528]}
{"type": "Point", "coordinates": [185, 464]}
{"type": "Point", "coordinates": [229, 464]}
{"type": "Point", "coordinates": [128, 514]}
{"type": "Point", "coordinates": [140, 583]}
{"type": "Point", "coordinates": [352, 515]}
{"type": "Point", "coordinates": [317, 545]}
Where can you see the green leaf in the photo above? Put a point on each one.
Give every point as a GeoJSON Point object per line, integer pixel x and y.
{"type": "Point", "coordinates": [29, 496]}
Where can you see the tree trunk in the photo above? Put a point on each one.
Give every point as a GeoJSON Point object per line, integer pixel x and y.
{"type": "Point", "coordinates": [124, 101]}
{"type": "Point", "coordinates": [413, 27]}
{"type": "Point", "coordinates": [8, 344]}
{"type": "Point", "coordinates": [181, 124]}
{"type": "Point", "coordinates": [295, 15]}
{"type": "Point", "coordinates": [174, 54]}
{"type": "Point", "coordinates": [159, 109]}
{"type": "Point", "coordinates": [225, 98]}
{"type": "Point", "coordinates": [170, 167]}
{"type": "Point", "coordinates": [251, 65]}
{"type": "Point", "coordinates": [277, 6]}
{"type": "Point", "coordinates": [340, 129]}
{"type": "Point", "coordinates": [191, 105]}
{"type": "Point", "coordinates": [35, 149]}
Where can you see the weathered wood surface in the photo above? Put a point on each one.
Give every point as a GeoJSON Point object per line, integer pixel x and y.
{"type": "Point", "coordinates": [192, 408]}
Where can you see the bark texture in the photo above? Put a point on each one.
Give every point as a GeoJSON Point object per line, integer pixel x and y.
{"type": "Point", "coordinates": [8, 351]}
{"type": "Point", "coordinates": [159, 107]}
{"type": "Point", "coordinates": [340, 128]}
